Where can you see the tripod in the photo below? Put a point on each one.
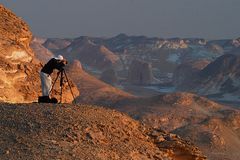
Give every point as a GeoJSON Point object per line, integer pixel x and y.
{"type": "Point", "coordinates": [62, 73]}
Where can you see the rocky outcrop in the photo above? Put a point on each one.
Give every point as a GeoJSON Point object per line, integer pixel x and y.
{"type": "Point", "coordinates": [175, 43]}
{"type": "Point", "coordinates": [38, 131]}
{"type": "Point", "coordinates": [18, 67]}
{"type": "Point", "coordinates": [195, 41]}
{"type": "Point", "coordinates": [140, 73]}
{"type": "Point", "coordinates": [15, 36]}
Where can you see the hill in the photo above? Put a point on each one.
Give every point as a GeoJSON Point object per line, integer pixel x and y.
{"type": "Point", "coordinates": [219, 79]}
{"type": "Point", "coordinates": [37, 131]}
{"type": "Point", "coordinates": [90, 54]}
{"type": "Point", "coordinates": [94, 91]}
{"type": "Point", "coordinates": [212, 127]}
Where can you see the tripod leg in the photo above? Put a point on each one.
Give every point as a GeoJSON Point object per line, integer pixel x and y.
{"type": "Point", "coordinates": [61, 86]}
{"type": "Point", "coordinates": [54, 83]}
{"type": "Point", "coordinates": [70, 87]}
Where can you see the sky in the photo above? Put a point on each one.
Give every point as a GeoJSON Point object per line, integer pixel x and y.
{"type": "Point", "coordinates": [210, 19]}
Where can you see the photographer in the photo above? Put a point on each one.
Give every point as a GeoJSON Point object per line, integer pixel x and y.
{"type": "Point", "coordinates": [55, 63]}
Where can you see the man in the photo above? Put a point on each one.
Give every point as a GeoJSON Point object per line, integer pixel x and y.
{"type": "Point", "coordinates": [55, 63]}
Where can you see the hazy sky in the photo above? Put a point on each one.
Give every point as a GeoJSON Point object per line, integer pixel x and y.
{"type": "Point", "coordinates": [212, 19]}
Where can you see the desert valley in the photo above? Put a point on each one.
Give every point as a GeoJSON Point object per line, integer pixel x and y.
{"type": "Point", "coordinates": [137, 97]}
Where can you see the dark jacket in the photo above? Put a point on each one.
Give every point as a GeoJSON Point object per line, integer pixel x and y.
{"type": "Point", "coordinates": [51, 65]}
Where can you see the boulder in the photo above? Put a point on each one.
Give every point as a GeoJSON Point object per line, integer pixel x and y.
{"type": "Point", "coordinates": [140, 73]}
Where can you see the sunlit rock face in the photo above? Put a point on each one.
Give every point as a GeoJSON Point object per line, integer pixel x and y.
{"type": "Point", "coordinates": [15, 37]}
{"type": "Point", "coordinates": [16, 57]}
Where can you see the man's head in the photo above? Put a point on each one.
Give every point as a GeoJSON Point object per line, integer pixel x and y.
{"type": "Point", "coordinates": [61, 59]}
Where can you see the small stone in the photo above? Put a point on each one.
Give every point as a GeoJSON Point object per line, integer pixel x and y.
{"type": "Point", "coordinates": [173, 135]}
{"type": "Point", "coordinates": [160, 139]}
{"type": "Point", "coordinates": [54, 142]}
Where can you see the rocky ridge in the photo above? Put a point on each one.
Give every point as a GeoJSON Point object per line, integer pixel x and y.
{"type": "Point", "coordinates": [164, 54]}
{"type": "Point", "coordinates": [37, 131]}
